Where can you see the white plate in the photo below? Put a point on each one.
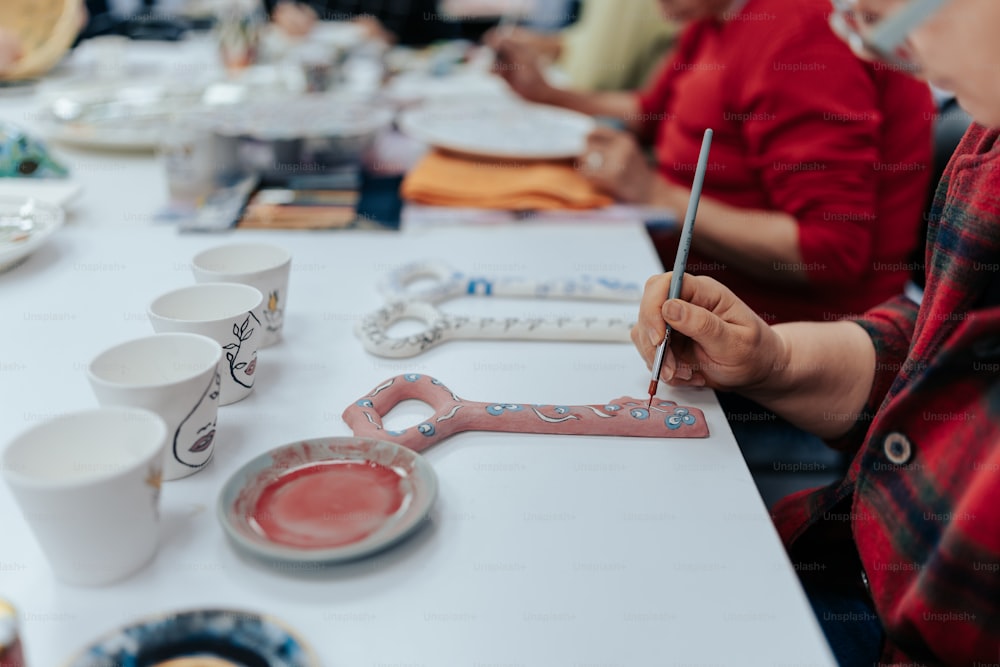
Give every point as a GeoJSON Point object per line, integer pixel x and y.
{"type": "Point", "coordinates": [499, 129]}
{"type": "Point", "coordinates": [55, 191]}
{"type": "Point", "coordinates": [373, 495]}
{"type": "Point", "coordinates": [40, 219]}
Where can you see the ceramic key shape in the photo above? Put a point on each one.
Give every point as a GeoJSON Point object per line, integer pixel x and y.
{"type": "Point", "coordinates": [441, 327]}
{"type": "Point", "coordinates": [623, 416]}
{"type": "Point", "coordinates": [449, 283]}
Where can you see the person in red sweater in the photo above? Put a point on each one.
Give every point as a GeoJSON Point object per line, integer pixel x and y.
{"type": "Point", "coordinates": [820, 163]}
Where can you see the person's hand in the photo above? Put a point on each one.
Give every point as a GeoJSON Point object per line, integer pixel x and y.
{"type": "Point", "coordinates": [11, 50]}
{"type": "Point", "coordinates": [614, 163]}
{"type": "Point", "coordinates": [374, 30]}
{"type": "Point", "coordinates": [543, 46]}
{"type": "Point", "coordinates": [717, 340]}
{"type": "Point", "coordinates": [519, 68]}
{"type": "Point", "coordinates": [295, 20]}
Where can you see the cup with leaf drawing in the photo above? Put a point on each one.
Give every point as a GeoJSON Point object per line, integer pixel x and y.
{"type": "Point", "coordinates": [230, 314]}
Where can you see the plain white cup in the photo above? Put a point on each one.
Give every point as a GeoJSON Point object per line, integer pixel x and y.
{"type": "Point", "coordinates": [88, 484]}
{"type": "Point", "coordinates": [260, 265]}
{"type": "Point", "coordinates": [176, 375]}
{"type": "Point", "coordinates": [228, 313]}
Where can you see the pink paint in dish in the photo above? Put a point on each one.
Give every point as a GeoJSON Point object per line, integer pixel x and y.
{"type": "Point", "coordinates": [327, 504]}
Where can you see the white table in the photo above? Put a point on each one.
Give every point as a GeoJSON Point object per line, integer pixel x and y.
{"type": "Point", "coordinates": [541, 550]}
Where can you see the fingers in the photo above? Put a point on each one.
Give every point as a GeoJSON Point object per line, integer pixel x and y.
{"type": "Point", "coordinates": [650, 326]}
{"type": "Point", "coordinates": [293, 19]}
{"type": "Point", "coordinates": [602, 135]}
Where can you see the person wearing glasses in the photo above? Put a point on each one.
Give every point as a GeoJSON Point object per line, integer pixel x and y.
{"type": "Point", "coordinates": [819, 169]}
{"type": "Point", "coordinates": [901, 558]}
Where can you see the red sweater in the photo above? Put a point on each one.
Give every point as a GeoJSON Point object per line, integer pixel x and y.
{"type": "Point", "coordinates": [803, 127]}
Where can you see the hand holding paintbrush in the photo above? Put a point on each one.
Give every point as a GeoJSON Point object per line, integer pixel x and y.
{"type": "Point", "coordinates": [680, 261]}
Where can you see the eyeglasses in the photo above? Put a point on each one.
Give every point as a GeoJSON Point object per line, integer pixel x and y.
{"type": "Point", "coordinates": [876, 38]}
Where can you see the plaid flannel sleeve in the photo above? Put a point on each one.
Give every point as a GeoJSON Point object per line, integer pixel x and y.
{"type": "Point", "coordinates": [890, 326]}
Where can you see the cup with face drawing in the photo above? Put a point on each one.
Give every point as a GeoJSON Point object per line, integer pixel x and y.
{"type": "Point", "coordinates": [260, 265]}
{"type": "Point", "coordinates": [175, 375]}
{"type": "Point", "coordinates": [228, 313]}
{"type": "Point", "coordinates": [88, 485]}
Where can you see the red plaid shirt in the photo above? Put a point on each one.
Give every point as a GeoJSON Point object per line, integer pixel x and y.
{"type": "Point", "coordinates": [920, 504]}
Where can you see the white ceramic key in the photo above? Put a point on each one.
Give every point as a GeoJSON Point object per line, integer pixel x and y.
{"type": "Point", "coordinates": [448, 283]}
{"type": "Point", "coordinates": [441, 327]}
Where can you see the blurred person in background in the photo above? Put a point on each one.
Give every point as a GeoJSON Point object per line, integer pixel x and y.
{"type": "Point", "coordinates": [404, 22]}
{"type": "Point", "coordinates": [819, 167]}
{"type": "Point", "coordinates": [901, 557]}
{"type": "Point", "coordinates": [611, 46]}
{"type": "Point", "coordinates": [11, 50]}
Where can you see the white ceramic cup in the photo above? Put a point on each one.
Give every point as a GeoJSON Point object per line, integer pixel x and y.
{"type": "Point", "coordinates": [88, 484]}
{"type": "Point", "coordinates": [261, 265]}
{"type": "Point", "coordinates": [176, 375]}
{"type": "Point", "coordinates": [228, 313]}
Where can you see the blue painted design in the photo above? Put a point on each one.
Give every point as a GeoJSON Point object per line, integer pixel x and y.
{"type": "Point", "coordinates": [396, 432]}
{"type": "Point", "coordinates": [639, 413]}
{"type": "Point", "coordinates": [426, 429]}
{"type": "Point", "coordinates": [479, 286]}
{"type": "Point", "coordinates": [364, 403]}
{"type": "Point", "coordinates": [237, 637]}
{"type": "Point", "coordinates": [673, 422]}
{"type": "Point", "coordinates": [688, 419]}
{"type": "Point", "coordinates": [412, 377]}
{"type": "Point", "coordinates": [498, 409]}
{"type": "Point", "coordinates": [560, 409]}
{"type": "Point", "coordinates": [25, 156]}
{"type": "Point", "coordinates": [612, 407]}
{"type": "Point", "coordinates": [680, 412]}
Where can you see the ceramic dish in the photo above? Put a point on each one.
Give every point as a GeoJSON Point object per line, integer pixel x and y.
{"type": "Point", "coordinates": [327, 500]}
{"type": "Point", "coordinates": [56, 191]}
{"type": "Point", "coordinates": [217, 637]}
{"type": "Point", "coordinates": [312, 134]}
{"type": "Point", "coordinates": [499, 129]}
{"type": "Point", "coordinates": [130, 116]}
{"type": "Point", "coordinates": [133, 114]}
{"type": "Point", "coordinates": [25, 225]}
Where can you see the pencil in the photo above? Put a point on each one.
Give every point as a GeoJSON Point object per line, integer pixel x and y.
{"type": "Point", "coordinates": [680, 261]}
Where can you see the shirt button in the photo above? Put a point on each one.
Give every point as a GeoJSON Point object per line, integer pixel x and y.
{"type": "Point", "coordinates": [897, 448]}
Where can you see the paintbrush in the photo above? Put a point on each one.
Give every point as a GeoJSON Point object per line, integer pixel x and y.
{"type": "Point", "coordinates": [680, 261]}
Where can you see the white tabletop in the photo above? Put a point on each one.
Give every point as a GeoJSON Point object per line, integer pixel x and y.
{"type": "Point", "coordinates": [540, 550]}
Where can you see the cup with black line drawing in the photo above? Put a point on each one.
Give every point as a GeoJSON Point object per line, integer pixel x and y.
{"type": "Point", "coordinates": [228, 313]}
{"type": "Point", "coordinates": [175, 375]}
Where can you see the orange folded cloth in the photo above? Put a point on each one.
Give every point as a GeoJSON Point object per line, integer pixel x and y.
{"type": "Point", "coordinates": [441, 179]}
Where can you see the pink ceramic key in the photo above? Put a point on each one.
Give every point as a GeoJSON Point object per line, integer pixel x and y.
{"type": "Point", "coordinates": [621, 417]}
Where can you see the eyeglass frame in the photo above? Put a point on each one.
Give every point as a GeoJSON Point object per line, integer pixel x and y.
{"type": "Point", "coordinates": [886, 35]}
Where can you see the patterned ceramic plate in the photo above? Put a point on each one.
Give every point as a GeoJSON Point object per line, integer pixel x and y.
{"type": "Point", "coordinates": [216, 637]}
{"type": "Point", "coordinates": [327, 500]}
{"type": "Point", "coordinates": [500, 129]}
{"type": "Point", "coordinates": [25, 224]}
